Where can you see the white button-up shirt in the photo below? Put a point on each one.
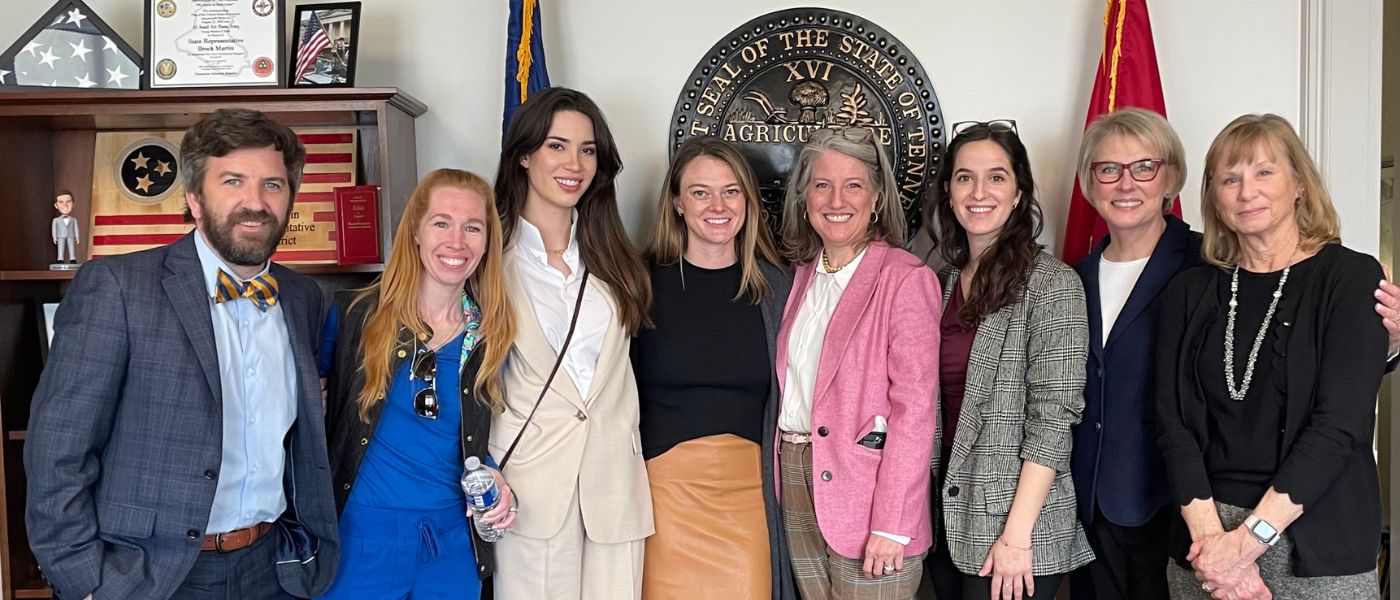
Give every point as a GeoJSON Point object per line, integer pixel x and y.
{"type": "Point", "coordinates": [553, 296]}
{"type": "Point", "coordinates": [805, 343]}
{"type": "Point", "coordinates": [258, 380]}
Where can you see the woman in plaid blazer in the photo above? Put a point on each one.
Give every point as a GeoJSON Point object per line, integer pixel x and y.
{"type": "Point", "coordinates": [1011, 366]}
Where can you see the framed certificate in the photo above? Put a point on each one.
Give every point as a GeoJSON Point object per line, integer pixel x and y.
{"type": "Point", "coordinates": [214, 43]}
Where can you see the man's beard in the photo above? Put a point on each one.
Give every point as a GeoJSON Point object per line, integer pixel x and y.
{"type": "Point", "coordinates": [245, 251]}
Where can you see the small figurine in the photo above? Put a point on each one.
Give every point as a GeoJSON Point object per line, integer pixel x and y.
{"type": "Point", "coordinates": [65, 232]}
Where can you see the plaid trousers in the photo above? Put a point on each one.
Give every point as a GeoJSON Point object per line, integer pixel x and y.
{"type": "Point", "coordinates": [821, 573]}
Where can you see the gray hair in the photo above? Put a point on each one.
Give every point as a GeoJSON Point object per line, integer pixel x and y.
{"type": "Point", "coordinates": [800, 242]}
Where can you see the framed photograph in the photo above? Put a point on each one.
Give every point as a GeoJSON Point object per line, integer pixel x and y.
{"type": "Point", "coordinates": [325, 46]}
{"type": "Point", "coordinates": [70, 46]}
{"type": "Point", "coordinates": [214, 43]}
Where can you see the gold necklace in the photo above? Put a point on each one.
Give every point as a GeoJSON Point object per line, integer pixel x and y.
{"type": "Point", "coordinates": [826, 263]}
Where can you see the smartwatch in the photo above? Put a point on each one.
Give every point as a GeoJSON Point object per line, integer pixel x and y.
{"type": "Point", "coordinates": [1262, 531]}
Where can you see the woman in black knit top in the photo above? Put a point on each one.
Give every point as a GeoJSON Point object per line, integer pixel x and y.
{"type": "Point", "coordinates": [706, 383]}
{"type": "Point", "coordinates": [1267, 379]}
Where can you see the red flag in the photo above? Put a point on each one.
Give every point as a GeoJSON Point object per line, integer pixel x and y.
{"type": "Point", "coordinates": [1127, 76]}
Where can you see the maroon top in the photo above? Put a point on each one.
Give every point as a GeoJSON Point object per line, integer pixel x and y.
{"type": "Point", "coordinates": [954, 349]}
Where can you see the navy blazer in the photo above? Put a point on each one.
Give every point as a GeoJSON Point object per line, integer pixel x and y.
{"type": "Point", "coordinates": [125, 430]}
{"type": "Point", "coordinates": [1116, 464]}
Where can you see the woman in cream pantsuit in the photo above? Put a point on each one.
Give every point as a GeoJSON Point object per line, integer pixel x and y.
{"type": "Point", "coordinates": [580, 482]}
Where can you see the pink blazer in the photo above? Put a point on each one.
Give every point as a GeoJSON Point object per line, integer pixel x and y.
{"type": "Point", "coordinates": [879, 357]}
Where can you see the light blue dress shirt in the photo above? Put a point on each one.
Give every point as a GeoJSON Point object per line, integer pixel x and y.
{"type": "Point", "coordinates": [257, 377]}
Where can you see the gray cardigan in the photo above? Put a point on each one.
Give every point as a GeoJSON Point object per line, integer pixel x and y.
{"type": "Point", "coordinates": [1025, 389]}
{"type": "Point", "coordinates": [780, 282]}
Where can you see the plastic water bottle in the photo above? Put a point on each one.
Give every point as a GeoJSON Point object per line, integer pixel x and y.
{"type": "Point", "coordinates": [482, 496]}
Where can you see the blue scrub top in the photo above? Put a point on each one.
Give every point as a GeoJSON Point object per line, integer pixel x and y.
{"type": "Point", "coordinates": [415, 463]}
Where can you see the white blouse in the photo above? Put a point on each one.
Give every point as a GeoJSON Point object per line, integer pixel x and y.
{"type": "Point", "coordinates": [553, 296]}
{"type": "Point", "coordinates": [805, 344]}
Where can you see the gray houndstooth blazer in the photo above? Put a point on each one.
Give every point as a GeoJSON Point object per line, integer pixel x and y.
{"type": "Point", "coordinates": [1025, 389]}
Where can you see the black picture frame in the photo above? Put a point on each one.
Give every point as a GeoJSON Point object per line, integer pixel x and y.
{"type": "Point", "coordinates": [147, 70]}
{"type": "Point", "coordinates": [7, 58]}
{"type": "Point", "coordinates": [333, 66]}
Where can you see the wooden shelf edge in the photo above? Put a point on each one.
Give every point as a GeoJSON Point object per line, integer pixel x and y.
{"type": "Point", "coordinates": [31, 94]}
{"type": "Point", "coordinates": [45, 275]}
{"type": "Point", "coordinates": [17, 435]}
{"type": "Point", "coordinates": [336, 269]}
{"type": "Point", "coordinates": [34, 592]}
{"type": "Point", "coordinates": [35, 275]}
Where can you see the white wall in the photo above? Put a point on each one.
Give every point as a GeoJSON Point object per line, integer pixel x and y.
{"type": "Point", "coordinates": [1031, 61]}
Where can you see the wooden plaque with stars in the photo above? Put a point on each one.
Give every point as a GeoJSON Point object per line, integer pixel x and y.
{"type": "Point", "coordinates": [138, 194]}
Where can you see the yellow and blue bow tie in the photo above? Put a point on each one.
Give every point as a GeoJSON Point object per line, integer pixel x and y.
{"type": "Point", "coordinates": [261, 290]}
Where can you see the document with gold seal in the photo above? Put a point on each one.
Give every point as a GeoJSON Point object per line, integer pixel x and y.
{"type": "Point", "coordinates": [214, 43]}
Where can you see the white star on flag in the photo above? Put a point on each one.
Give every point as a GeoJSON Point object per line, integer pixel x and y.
{"type": "Point", "coordinates": [76, 17]}
{"type": "Point", "coordinates": [48, 59]}
{"type": "Point", "coordinates": [3, 75]}
{"type": "Point", "coordinates": [116, 75]}
{"type": "Point", "coordinates": [80, 50]}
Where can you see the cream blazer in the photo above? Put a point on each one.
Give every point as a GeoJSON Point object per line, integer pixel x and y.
{"type": "Point", "coordinates": [569, 432]}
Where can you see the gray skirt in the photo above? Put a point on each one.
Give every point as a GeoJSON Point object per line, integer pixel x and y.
{"type": "Point", "coordinates": [1276, 570]}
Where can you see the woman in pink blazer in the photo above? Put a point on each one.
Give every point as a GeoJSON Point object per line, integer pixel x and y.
{"type": "Point", "coordinates": [857, 360]}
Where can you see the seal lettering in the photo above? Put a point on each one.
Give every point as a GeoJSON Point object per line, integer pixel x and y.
{"type": "Point", "coordinates": [769, 84]}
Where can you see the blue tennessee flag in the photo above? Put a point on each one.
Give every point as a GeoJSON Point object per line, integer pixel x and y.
{"type": "Point", "coordinates": [525, 70]}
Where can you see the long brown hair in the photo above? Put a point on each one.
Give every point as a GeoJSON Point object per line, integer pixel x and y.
{"type": "Point", "coordinates": [670, 236]}
{"type": "Point", "coordinates": [1005, 266]}
{"type": "Point", "coordinates": [1241, 140]}
{"type": "Point", "coordinates": [396, 292]}
{"type": "Point", "coordinates": [604, 248]}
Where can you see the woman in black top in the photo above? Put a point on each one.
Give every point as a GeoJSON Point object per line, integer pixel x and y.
{"type": "Point", "coordinates": [1267, 384]}
{"type": "Point", "coordinates": [706, 382]}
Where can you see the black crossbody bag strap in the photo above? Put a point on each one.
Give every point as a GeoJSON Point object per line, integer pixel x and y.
{"type": "Point", "coordinates": [578, 306]}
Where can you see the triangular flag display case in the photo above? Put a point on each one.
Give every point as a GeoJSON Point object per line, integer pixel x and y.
{"type": "Point", "coordinates": [70, 47]}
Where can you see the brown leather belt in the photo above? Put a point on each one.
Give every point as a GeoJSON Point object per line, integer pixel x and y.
{"type": "Point", "coordinates": [236, 539]}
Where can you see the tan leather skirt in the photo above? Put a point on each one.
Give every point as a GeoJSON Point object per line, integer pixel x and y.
{"type": "Point", "coordinates": [711, 536]}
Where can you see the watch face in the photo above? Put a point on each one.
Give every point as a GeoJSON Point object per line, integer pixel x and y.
{"type": "Point", "coordinates": [1264, 531]}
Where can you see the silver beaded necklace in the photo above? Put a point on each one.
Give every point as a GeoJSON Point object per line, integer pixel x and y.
{"type": "Point", "coordinates": [1237, 393]}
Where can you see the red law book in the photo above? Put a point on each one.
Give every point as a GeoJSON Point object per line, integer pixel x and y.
{"type": "Point", "coordinates": [357, 225]}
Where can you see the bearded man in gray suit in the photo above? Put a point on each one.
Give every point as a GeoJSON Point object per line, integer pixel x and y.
{"type": "Point", "coordinates": [176, 444]}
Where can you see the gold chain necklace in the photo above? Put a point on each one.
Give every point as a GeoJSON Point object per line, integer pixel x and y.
{"type": "Point", "coordinates": [826, 263]}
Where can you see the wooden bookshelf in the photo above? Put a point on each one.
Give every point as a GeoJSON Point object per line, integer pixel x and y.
{"type": "Point", "coordinates": [48, 140]}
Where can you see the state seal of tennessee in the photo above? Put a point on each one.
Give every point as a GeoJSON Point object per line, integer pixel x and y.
{"type": "Point", "coordinates": [766, 86]}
